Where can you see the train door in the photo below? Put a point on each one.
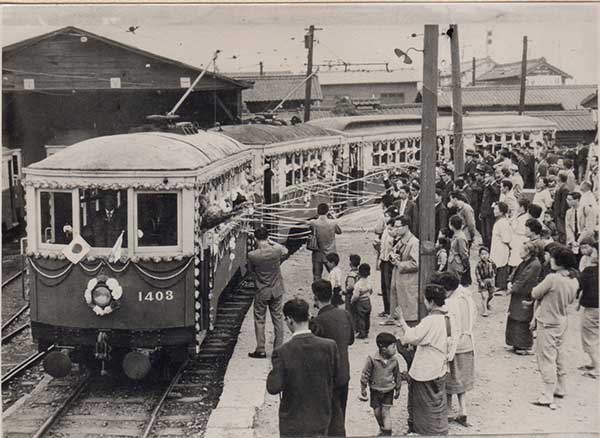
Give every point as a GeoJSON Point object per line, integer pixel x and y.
{"type": "Point", "coordinates": [356, 187]}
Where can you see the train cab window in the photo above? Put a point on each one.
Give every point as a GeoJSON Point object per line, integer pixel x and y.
{"type": "Point", "coordinates": [157, 219]}
{"type": "Point", "coordinates": [56, 217]}
{"type": "Point", "coordinates": [103, 216]}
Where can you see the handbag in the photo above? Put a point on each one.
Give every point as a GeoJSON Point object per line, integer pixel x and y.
{"type": "Point", "coordinates": [311, 243]}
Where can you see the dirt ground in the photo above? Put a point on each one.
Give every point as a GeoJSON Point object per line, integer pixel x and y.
{"type": "Point", "coordinates": [505, 383]}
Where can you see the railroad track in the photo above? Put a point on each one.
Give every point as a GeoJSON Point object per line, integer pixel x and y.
{"type": "Point", "coordinates": [12, 278]}
{"type": "Point", "coordinates": [25, 365]}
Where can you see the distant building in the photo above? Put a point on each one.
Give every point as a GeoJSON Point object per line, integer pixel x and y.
{"type": "Point", "coordinates": [396, 87]}
{"type": "Point", "coordinates": [270, 89]}
{"type": "Point", "coordinates": [482, 66]}
{"type": "Point", "coordinates": [591, 101]}
{"type": "Point", "coordinates": [539, 72]}
{"type": "Point", "coordinates": [573, 126]}
{"type": "Point", "coordinates": [69, 85]}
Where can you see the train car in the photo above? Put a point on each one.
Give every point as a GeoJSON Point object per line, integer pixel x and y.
{"type": "Point", "coordinates": [384, 141]}
{"type": "Point", "coordinates": [12, 193]}
{"type": "Point", "coordinates": [124, 266]}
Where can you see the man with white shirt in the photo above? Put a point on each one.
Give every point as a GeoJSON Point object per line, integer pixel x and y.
{"type": "Point", "coordinates": [406, 207]}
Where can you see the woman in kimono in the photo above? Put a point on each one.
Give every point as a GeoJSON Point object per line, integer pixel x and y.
{"type": "Point", "coordinates": [427, 412]}
{"type": "Point", "coordinates": [501, 240]}
{"type": "Point", "coordinates": [520, 310]}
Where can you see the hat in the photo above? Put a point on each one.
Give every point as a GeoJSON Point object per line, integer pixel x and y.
{"type": "Point", "coordinates": [588, 241]}
{"type": "Point", "coordinates": [470, 152]}
{"type": "Point", "coordinates": [393, 211]}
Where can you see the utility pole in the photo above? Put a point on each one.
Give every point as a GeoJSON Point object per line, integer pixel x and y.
{"type": "Point", "coordinates": [473, 69]}
{"type": "Point", "coordinates": [523, 76]}
{"type": "Point", "coordinates": [428, 159]}
{"type": "Point", "coordinates": [459, 153]}
{"type": "Point", "coordinates": [309, 39]}
{"type": "Point", "coordinates": [261, 69]}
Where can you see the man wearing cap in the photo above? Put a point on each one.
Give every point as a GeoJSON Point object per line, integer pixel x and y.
{"type": "Point", "coordinates": [470, 163]}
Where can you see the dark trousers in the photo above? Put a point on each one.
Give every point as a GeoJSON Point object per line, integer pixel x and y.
{"type": "Point", "coordinates": [386, 281]}
{"type": "Point", "coordinates": [318, 262]}
{"type": "Point", "coordinates": [487, 223]}
{"type": "Point", "coordinates": [361, 310]}
{"type": "Point", "coordinates": [337, 426]}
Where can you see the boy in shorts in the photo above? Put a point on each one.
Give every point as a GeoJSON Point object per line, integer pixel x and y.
{"type": "Point", "coordinates": [382, 374]}
{"type": "Point", "coordinates": [485, 272]}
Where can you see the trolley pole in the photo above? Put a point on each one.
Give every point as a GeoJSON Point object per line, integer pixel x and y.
{"type": "Point", "coordinates": [523, 77]}
{"type": "Point", "coordinates": [308, 43]}
{"type": "Point", "coordinates": [459, 153]}
{"type": "Point", "coordinates": [428, 159]}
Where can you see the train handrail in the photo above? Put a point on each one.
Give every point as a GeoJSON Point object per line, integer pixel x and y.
{"type": "Point", "coordinates": [22, 246]}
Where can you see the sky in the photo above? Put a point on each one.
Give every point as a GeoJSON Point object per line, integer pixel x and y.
{"type": "Point", "coordinates": [565, 34]}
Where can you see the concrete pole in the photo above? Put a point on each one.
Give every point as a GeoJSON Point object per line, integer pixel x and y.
{"type": "Point", "coordinates": [309, 44]}
{"type": "Point", "coordinates": [523, 76]}
{"type": "Point", "coordinates": [428, 159]}
{"type": "Point", "coordinates": [459, 152]}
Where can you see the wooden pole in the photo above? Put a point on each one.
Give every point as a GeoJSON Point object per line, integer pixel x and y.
{"type": "Point", "coordinates": [428, 159]}
{"type": "Point", "coordinates": [473, 76]}
{"type": "Point", "coordinates": [459, 152]}
{"type": "Point", "coordinates": [523, 76]}
{"type": "Point", "coordinates": [309, 45]}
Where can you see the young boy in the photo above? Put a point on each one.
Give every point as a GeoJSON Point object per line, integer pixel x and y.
{"type": "Point", "coordinates": [332, 260]}
{"type": "Point", "coordinates": [441, 255]}
{"type": "Point", "coordinates": [382, 374]}
{"type": "Point", "coordinates": [485, 272]}
{"type": "Point", "coordinates": [361, 301]}
{"type": "Point", "coordinates": [351, 280]}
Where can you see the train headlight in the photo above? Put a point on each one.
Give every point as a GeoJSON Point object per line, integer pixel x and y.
{"type": "Point", "coordinates": [101, 296]}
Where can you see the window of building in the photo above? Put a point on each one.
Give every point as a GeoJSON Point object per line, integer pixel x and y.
{"type": "Point", "coordinates": [391, 98]}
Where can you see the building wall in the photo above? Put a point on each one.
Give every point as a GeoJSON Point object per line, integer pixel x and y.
{"type": "Point", "coordinates": [571, 138]}
{"type": "Point", "coordinates": [33, 120]}
{"type": "Point", "coordinates": [388, 93]}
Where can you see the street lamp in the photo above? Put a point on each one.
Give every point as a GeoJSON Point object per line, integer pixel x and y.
{"type": "Point", "coordinates": [402, 54]}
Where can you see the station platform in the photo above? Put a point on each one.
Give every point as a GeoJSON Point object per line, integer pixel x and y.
{"type": "Point", "coordinates": [505, 383]}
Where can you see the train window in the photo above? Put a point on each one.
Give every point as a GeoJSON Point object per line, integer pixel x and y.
{"type": "Point", "coordinates": [418, 143]}
{"type": "Point", "coordinates": [393, 145]}
{"type": "Point", "coordinates": [384, 158]}
{"type": "Point", "coordinates": [497, 137]}
{"type": "Point", "coordinates": [157, 219]}
{"type": "Point", "coordinates": [417, 156]}
{"type": "Point", "coordinates": [376, 147]}
{"type": "Point", "coordinates": [103, 217]}
{"type": "Point", "coordinates": [384, 146]}
{"type": "Point", "coordinates": [56, 217]}
{"type": "Point", "coordinates": [478, 138]}
{"type": "Point", "coordinates": [509, 136]}
{"type": "Point", "coordinates": [488, 138]}
{"type": "Point", "coordinates": [393, 157]}
{"type": "Point", "coordinates": [289, 178]}
{"type": "Point", "coordinates": [305, 173]}
{"type": "Point", "coordinates": [297, 176]}
{"type": "Point", "coordinates": [526, 136]}
{"type": "Point", "coordinates": [517, 136]}
{"type": "Point", "coordinates": [375, 160]}
{"type": "Point", "coordinates": [288, 159]}
{"type": "Point", "coordinates": [402, 157]}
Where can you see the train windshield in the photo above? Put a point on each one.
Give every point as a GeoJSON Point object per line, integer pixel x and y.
{"type": "Point", "coordinates": [56, 217]}
{"type": "Point", "coordinates": [157, 219]}
{"type": "Point", "coordinates": [103, 216]}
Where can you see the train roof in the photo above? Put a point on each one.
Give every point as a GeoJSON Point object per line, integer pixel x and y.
{"type": "Point", "coordinates": [410, 122]}
{"type": "Point", "coordinates": [257, 134]}
{"type": "Point", "coordinates": [143, 151]}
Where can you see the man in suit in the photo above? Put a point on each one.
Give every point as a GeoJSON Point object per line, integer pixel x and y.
{"type": "Point", "coordinates": [108, 224]}
{"type": "Point", "coordinates": [415, 191]}
{"type": "Point", "coordinates": [406, 207]}
{"type": "Point", "coordinates": [334, 323]}
{"type": "Point", "coordinates": [441, 214]}
{"type": "Point", "coordinates": [560, 206]}
{"type": "Point", "coordinates": [491, 194]}
{"type": "Point", "coordinates": [264, 263]}
{"type": "Point", "coordinates": [470, 163]}
{"type": "Point", "coordinates": [306, 370]}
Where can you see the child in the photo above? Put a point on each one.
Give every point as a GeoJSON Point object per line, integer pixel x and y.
{"type": "Point", "coordinates": [485, 272]}
{"type": "Point", "coordinates": [361, 303]}
{"type": "Point", "coordinates": [332, 260]}
{"type": "Point", "coordinates": [351, 279]}
{"type": "Point", "coordinates": [382, 374]}
{"type": "Point", "coordinates": [441, 256]}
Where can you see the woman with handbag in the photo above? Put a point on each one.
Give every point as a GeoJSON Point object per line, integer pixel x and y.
{"type": "Point", "coordinates": [520, 309]}
{"type": "Point", "coordinates": [500, 249]}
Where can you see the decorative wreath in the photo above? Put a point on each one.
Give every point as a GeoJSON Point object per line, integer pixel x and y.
{"type": "Point", "coordinates": [116, 291]}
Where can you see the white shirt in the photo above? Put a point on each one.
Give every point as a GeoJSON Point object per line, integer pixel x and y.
{"type": "Point", "coordinates": [335, 277]}
{"type": "Point", "coordinates": [300, 332]}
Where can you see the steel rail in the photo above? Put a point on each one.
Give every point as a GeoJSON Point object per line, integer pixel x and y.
{"type": "Point", "coordinates": [12, 278]}
{"type": "Point", "coordinates": [15, 316]}
{"type": "Point", "coordinates": [34, 358]}
{"type": "Point", "coordinates": [64, 405]}
{"type": "Point", "coordinates": [14, 333]}
{"type": "Point", "coordinates": [161, 402]}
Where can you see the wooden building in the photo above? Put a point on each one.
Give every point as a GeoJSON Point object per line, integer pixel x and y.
{"type": "Point", "coordinates": [394, 87]}
{"type": "Point", "coordinates": [482, 66]}
{"type": "Point", "coordinates": [70, 84]}
{"type": "Point", "coordinates": [572, 127]}
{"type": "Point", "coordinates": [539, 72]}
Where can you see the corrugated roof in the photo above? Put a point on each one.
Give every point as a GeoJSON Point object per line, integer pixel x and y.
{"type": "Point", "coordinates": [143, 151]}
{"type": "Point", "coordinates": [513, 69]}
{"type": "Point", "coordinates": [575, 120]}
{"type": "Point", "coordinates": [372, 77]}
{"type": "Point", "coordinates": [269, 134]}
{"type": "Point", "coordinates": [275, 88]}
{"type": "Point", "coordinates": [569, 96]}
{"type": "Point", "coordinates": [466, 66]}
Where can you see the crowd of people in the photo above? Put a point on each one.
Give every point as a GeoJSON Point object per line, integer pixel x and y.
{"type": "Point", "coordinates": [542, 251]}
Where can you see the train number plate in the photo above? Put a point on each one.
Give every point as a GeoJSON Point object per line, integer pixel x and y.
{"type": "Point", "coordinates": [157, 295]}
